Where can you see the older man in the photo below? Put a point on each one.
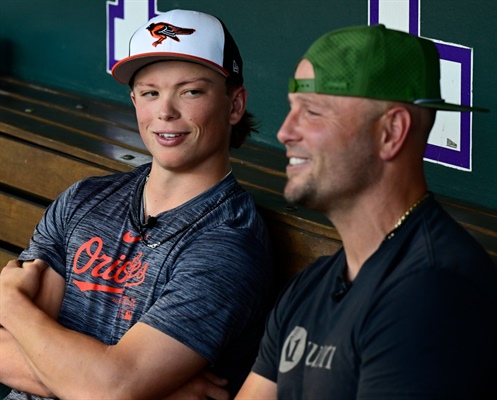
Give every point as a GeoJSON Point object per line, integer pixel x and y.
{"type": "Point", "coordinates": [407, 309]}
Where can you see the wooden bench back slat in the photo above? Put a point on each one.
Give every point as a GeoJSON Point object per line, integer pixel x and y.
{"type": "Point", "coordinates": [40, 171]}
{"type": "Point", "coordinates": [103, 112]}
{"type": "Point", "coordinates": [19, 219]}
{"type": "Point", "coordinates": [55, 138]}
{"type": "Point", "coordinates": [75, 124]}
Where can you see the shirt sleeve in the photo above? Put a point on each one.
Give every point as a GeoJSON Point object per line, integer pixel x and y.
{"type": "Point", "coordinates": [217, 286]}
{"type": "Point", "coordinates": [48, 240]}
{"type": "Point", "coordinates": [266, 362]}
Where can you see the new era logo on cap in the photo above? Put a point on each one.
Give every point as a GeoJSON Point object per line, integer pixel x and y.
{"type": "Point", "coordinates": [182, 35]}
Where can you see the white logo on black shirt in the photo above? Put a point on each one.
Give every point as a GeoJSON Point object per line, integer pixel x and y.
{"type": "Point", "coordinates": [317, 356]}
{"type": "Point", "coordinates": [293, 349]}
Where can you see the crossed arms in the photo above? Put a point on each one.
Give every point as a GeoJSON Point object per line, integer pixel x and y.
{"type": "Point", "coordinates": [47, 359]}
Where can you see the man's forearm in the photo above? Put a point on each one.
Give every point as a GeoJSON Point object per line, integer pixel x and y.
{"type": "Point", "coordinates": [49, 352]}
{"type": "Point", "coordinates": [15, 370]}
{"type": "Point", "coordinates": [73, 365]}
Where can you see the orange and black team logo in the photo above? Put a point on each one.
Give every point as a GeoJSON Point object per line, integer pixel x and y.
{"type": "Point", "coordinates": [163, 30]}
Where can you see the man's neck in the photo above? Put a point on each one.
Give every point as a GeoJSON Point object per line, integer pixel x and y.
{"type": "Point", "coordinates": [366, 223]}
{"type": "Point", "coordinates": [166, 190]}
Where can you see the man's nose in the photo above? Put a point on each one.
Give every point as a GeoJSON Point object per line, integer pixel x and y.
{"type": "Point", "coordinates": [287, 130]}
{"type": "Point", "coordinates": [168, 110]}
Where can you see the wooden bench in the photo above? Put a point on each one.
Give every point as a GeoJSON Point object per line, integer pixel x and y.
{"type": "Point", "coordinates": [50, 139]}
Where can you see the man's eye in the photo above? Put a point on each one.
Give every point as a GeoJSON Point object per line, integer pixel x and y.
{"type": "Point", "coordinates": [149, 93]}
{"type": "Point", "coordinates": [313, 113]}
{"type": "Point", "coordinates": [192, 92]}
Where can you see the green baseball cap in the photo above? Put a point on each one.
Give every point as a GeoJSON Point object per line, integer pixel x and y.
{"type": "Point", "coordinates": [377, 63]}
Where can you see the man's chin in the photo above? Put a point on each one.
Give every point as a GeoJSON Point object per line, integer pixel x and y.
{"type": "Point", "coordinates": [294, 196]}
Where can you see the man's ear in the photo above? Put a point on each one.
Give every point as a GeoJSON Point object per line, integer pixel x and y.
{"type": "Point", "coordinates": [132, 95]}
{"type": "Point", "coordinates": [238, 104]}
{"type": "Point", "coordinates": [395, 128]}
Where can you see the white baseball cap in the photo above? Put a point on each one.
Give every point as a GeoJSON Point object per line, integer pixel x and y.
{"type": "Point", "coordinates": [186, 36]}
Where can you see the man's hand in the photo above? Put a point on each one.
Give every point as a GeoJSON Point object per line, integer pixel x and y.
{"type": "Point", "coordinates": [204, 386]}
{"type": "Point", "coordinates": [17, 277]}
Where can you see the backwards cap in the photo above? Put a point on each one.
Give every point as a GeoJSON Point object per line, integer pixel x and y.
{"type": "Point", "coordinates": [186, 36]}
{"type": "Point", "coordinates": [376, 63]}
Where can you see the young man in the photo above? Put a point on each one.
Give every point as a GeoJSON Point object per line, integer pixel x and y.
{"type": "Point", "coordinates": [134, 283]}
{"type": "Point", "coordinates": [407, 309]}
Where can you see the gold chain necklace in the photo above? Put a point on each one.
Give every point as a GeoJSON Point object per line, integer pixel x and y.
{"type": "Point", "coordinates": [404, 216]}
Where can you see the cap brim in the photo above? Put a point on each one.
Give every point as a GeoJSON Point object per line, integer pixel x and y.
{"type": "Point", "coordinates": [451, 107]}
{"type": "Point", "coordinates": [124, 69]}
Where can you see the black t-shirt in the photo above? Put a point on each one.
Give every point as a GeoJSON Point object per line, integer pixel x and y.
{"type": "Point", "coordinates": [418, 322]}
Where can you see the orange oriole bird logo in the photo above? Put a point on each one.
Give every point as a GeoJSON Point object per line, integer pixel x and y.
{"type": "Point", "coordinates": [163, 30]}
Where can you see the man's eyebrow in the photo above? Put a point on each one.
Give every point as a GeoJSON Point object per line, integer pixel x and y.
{"type": "Point", "coordinates": [178, 84]}
{"type": "Point", "coordinates": [194, 80]}
{"type": "Point", "coordinates": [140, 83]}
{"type": "Point", "coordinates": [306, 98]}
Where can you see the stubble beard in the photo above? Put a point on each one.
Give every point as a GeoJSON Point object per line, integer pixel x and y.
{"type": "Point", "coordinates": [305, 194]}
{"type": "Point", "coordinates": [337, 192]}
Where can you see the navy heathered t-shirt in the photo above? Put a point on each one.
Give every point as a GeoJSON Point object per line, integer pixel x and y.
{"type": "Point", "coordinates": [207, 285]}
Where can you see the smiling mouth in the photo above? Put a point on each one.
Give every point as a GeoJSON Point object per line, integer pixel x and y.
{"type": "Point", "coordinates": [297, 161]}
{"type": "Point", "coordinates": [169, 135]}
